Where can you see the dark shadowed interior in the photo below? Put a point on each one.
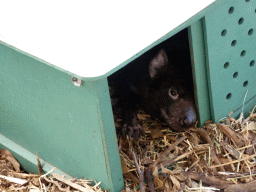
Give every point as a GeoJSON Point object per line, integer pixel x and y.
{"type": "Point", "coordinates": [168, 95]}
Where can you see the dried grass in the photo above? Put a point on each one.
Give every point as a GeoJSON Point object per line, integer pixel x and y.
{"type": "Point", "coordinates": [215, 157]}
{"type": "Point", "coordinates": [13, 179]}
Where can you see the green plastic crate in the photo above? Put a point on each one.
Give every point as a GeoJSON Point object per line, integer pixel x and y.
{"type": "Point", "coordinates": [42, 110]}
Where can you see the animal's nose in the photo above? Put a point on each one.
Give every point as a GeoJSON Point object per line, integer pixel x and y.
{"type": "Point", "coordinates": [189, 117]}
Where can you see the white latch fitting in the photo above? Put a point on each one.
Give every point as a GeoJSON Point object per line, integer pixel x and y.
{"type": "Point", "coordinates": [77, 82]}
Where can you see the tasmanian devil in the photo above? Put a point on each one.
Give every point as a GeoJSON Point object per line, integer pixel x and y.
{"type": "Point", "coordinates": [161, 84]}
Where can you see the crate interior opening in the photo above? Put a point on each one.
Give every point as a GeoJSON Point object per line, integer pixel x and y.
{"type": "Point", "coordinates": [157, 86]}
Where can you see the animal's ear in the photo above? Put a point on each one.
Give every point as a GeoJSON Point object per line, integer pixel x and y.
{"type": "Point", "coordinates": [158, 64]}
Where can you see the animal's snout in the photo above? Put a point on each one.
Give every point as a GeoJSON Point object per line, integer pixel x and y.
{"type": "Point", "coordinates": [189, 118]}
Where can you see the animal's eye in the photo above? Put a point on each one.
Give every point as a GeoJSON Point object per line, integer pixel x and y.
{"type": "Point", "coordinates": [173, 94]}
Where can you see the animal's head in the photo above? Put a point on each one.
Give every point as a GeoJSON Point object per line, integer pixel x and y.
{"type": "Point", "coordinates": [169, 95]}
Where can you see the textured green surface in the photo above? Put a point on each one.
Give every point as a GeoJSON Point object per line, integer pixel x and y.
{"type": "Point", "coordinates": [42, 111]}
{"type": "Point", "coordinates": [198, 59]}
{"type": "Point", "coordinates": [231, 32]}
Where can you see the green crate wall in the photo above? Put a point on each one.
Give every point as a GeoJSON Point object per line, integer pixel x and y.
{"type": "Point", "coordinates": [222, 45]}
{"type": "Point", "coordinates": [69, 127]}
{"type": "Point", "coordinates": [230, 35]}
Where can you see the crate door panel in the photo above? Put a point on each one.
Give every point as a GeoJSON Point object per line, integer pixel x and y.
{"type": "Point", "coordinates": [230, 34]}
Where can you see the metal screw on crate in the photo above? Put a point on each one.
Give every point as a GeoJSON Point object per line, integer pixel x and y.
{"type": "Point", "coordinates": [77, 82]}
